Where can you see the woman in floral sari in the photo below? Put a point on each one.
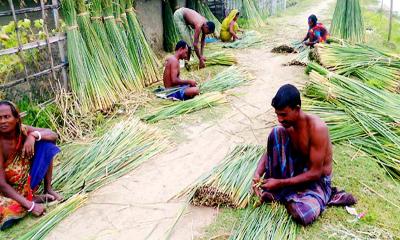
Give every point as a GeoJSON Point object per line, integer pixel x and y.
{"type": "Point", "coordinates": [26, 158]}
{"type": "Point", "coordinates": [229, 27]}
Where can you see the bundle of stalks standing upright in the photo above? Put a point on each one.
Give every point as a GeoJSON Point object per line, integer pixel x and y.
{"type": "Point", "coordinates": [347, 22]}
{"type": "Point", "coordinates": [249, 16]}
{"type": "Point", "coordinates": [170, 31]}
{"type": "Point", "coordinates": [87, 78]}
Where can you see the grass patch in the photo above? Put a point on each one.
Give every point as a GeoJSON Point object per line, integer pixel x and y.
{"type": "Point", "coordinates": [350, 169]}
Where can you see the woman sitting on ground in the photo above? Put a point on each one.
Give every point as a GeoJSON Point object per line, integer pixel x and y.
{"type": "Point", "coordinates": [26, 158]}
{"type": "Point", "coordinates": [229, 27]}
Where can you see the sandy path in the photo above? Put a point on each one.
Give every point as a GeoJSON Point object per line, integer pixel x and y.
{"type": "Point", "coordinates": [136, 206]}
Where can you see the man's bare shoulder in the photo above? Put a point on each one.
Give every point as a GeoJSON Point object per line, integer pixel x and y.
{"type": "Point", "coordinates": [316, 124]}
{"type": "Point", "coordinates": [171, 60]}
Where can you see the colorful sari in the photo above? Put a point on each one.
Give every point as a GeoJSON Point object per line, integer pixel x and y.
{"type": "Point", "coordinates": [225, 35]}
{"type": "Point", "coordinates": [16, 171]}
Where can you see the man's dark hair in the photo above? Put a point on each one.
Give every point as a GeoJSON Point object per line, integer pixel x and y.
{"type": "Point", "coordinates": [313, 18]}
{"type": "Point", "coordinates": [210, 26]}
{"type": "Point", "coordinates": [287, 96]}
{"type": "Point", "coordinates": [181, 44]}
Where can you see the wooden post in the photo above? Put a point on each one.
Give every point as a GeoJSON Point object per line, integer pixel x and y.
{"type": "Point", "coordinates": [10, 2]}
{"type": "Point", "coordinates": [390, 20]}
{"type": "Point", "coordinates": [60, 48]}
{"type": "Point", "coordinates": [48, 40]}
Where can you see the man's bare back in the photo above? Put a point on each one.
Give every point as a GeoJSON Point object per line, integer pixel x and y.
{"type": "Point", "coordinates": [193, 18]}
{"type": "Point", "coordinates": [171, 65]}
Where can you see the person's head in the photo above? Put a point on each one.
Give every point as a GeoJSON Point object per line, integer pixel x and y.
{"type": "Point", "coordinates": [182, 50]}
{"type": "Point", "coordinates": [312, 20]}
{"type": "Point", "coordinates": [236, 16]}
{"type": "Point", "coordinates": [208, 27]}
{"type": "Point", "coordinates": [10, 119]}
{"type": "Point", "coordinates": [287, 104]}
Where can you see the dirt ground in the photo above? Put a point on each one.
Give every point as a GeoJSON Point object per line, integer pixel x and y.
{"type": "Point", "coordinates": [138, 206]}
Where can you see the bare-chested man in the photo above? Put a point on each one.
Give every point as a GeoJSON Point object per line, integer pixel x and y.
{"type": "Point", "coordinates": [297, 167]}
{"type": "Point", "coordinates": [26, 159]}
{"type": "Point", "coordinates": [180, 89]}
{"type": "Point", "coordinates": [187, 19]}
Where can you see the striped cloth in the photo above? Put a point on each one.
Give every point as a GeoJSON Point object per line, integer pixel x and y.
{"type": "Point", "coordinates": [304, 202]}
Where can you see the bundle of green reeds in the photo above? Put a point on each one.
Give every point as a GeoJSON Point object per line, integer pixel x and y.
{"type": "Point", "coordinates": [205, 11]}
{"type": "Point", "coordinates": [87, 78]}
{"type": "Point", "coordinates": [90, 165]}
{"type": "Point", "coordinates": [347, 22]}
{"type": "Point", "coordinates": [46, 223]}
{"type": "Point", "coordinates": [249, 39]}
{"type": "Point", "coordinates": [98, 53]}
{"type": "Point", "coordinates": [215, 58]}
{"type": "Point", "coordinates": [365, 117]}
{"type": "Point", "coordinates": [147, 58]}
{"type": "Point", "coordinates": [119, 45]}
{"type": "Point", "coordinates": [174, 109]}
{"type": "Point", "coordinates": [249, 16]}
{"type": "Point", "coordinates": [171, 33]}
{"type": "Point", "coordinates": [229, 78]}
{"type": "Point", "coordinates": [229, 183]}
{"type": "Point", "coordinates": [266, 222]}
{"type": "Point", "coordinates": [371, 65]}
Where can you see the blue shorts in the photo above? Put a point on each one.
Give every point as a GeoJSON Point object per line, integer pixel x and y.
{"type": "Point", "coordinates": [179, 93]}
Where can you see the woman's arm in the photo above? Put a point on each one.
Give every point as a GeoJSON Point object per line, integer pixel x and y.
{"type": "Point", "coordinates": [232, 31]}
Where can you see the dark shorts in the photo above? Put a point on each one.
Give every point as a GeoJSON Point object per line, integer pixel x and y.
{"type": "Point", "coordinates": [179, 93]}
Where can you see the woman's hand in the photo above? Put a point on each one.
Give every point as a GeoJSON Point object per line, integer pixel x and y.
{"type": "Point", "coordinates": [38, 210]}
{"type": "Point", "coordinates": [28, 150]}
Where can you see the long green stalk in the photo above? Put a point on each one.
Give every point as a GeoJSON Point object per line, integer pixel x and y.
{"type": "Point", "coordinates": [174, 109]}
{"type": "Point", "coordinates": [215, 58]}
{"type": "Point", "coordinates": [249, 39]}
{"type": "Point", "coordinates": [170, 31]}
{"type": "Point", "coordinates": [121, 149]}
{"type": "Point", "coordinates": [229, 78]}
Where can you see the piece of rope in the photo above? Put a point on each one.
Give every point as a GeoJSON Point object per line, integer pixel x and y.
{"type": "Point", "coordinates": [83, 14]}
{"type": "Point", "coordinates": [130, 10]}
{"type": "Point", "coordinates": [95, 18]}
{"type": "Point", "coordinates": [108, 17]}
{"type": "Point", "coordinates": [69, 28]}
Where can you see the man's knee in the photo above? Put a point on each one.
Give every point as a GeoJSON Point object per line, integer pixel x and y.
{"type": "Point", "coordinates": [302, 213]}
{"type": "Point", "coordinates": [192, 91]}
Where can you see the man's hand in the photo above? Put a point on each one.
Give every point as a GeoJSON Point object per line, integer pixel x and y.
{"type": "Point", "coordinates": [271, 184]}
{"type": "Point", "coordinates": [256, 186]}
{"type": "Point", "coordinates": [192, 83]}
{"type": "Point", "coordinates": [202, 63]}
{"type": "Point", "coordinates": [28, 150]}
{"type": "Point", "coordinates": [38, 210]}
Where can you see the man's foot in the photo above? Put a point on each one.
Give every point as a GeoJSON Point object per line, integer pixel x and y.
{"type": "Point", "coordinates": [43, 198]}
{"type": "Point", "coordinates": [53, 193]}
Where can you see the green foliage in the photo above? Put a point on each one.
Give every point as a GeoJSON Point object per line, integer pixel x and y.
{"type": "Point", "coordinates": [35, 116]}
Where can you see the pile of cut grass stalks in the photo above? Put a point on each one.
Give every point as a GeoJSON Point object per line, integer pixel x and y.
{"type": "Point", "coordinates": [348, 22]}
{"type": "Point", "coordinates": [210, 96]}
{"type": "Point", "coordinates": [361, 116]}
{"type": "Point", "coordinates": [248, 39]}
{"type": "Point", "coordinates": [229, 185]}
{"type": "Point", "coordinates": [215, 58]}
{"type": "Point", "coordinates": [371, 65]}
